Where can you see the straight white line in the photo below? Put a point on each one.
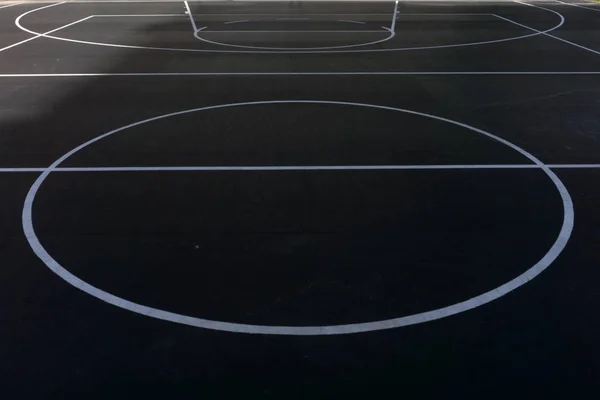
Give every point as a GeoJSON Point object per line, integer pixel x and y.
{"type": "Point", "coordinates": [236, 22]}
{"type": "Point", "coordinates": [189, 13]}
{"type": "Point", "coordinates": [303, 168]}
{"type": "Point", "coordinates": [138, 15]}
{"type": "Point", "coordinates": [291, 19]}
{"type": "Point", "coordinates": [544, 33]}
{"type": "Point", "coordinates": [337, 14]}
{"type": "Point", "coordinates": [11, 5]}
{"type": "Point", "coordinates": [393, 26]}
{"type": "Point", "coordinates": [339, 73]}
{"type": "Point", "coordinates": [351, 21]}
{"type": "Point", "coordinates": [578, 6]}
{"type": "Point", "coordinates": [45, 33]}
{"type": "Point", "coordinates": [301, 31]}
{"type": "Point", "coordinates": [274, 14]}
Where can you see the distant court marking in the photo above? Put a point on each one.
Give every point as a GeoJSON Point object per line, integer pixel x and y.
{"type": "Point", "coordinates": [393, 26]}
{"type": "Point", "coordinates": [351, 21]}
{"type": "Point", "coordinates": [137, 15]}
{"type": "Point", "coordinates": [384, 30]}
{"type": "Point", "coordinates": [40, 35]}
{"type": "Point", "coordinates": [275, 168]}
{"type": "Point", "coordinates": [291, 19]}
{"type": "Point", "coordinates": [545, 33]}
{"type": "Point", "coordinates": [11, 5]}
{"type": "Point", "coordinates": [532, 272]}
{"type": "Point", "coordinates": [17, 22]}
{"type": "Point", "coordinates": [236, 22]}
{"type": "Point", "coordinates": [335, 73]}
{"type": "Point", "coordinates": [189, 13]}
{"type": "Point", "coordinates": [579, 6]}
{"type": "Point", "coordinates": [390, 35]}
{"type": "Point", "coordinates": [204, 30]}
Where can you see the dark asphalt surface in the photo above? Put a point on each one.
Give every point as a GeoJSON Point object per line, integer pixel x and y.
{"type": "Point", "coordinates": [299, 247]}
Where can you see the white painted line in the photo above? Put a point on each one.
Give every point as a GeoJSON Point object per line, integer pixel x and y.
{"type": "Point", "coordinates": [543, 263]}
{"type": "Point", "coordinates": [545, 33]}
{"type": "Point", "coordinates": [279, 51]}
{"type": "Point", "coordinates": [17, 169]}
{"type": "Point", "coordinates": [351, 21]}
{"type": "Point", "coordinates": [393, 26]}
{"type": "Point", "coordinates": [327, 49]}
{"type": "Point", "coordinates": [236, 22]}
{"type": "Point", "coordinates": [338, 73]}
{"type": "Point", "coordinates": [300, 31]}
{"type": "Point", "coordinates": [578, 6]}
{"type": "Point", "coordinates": [11, 5]}
{"type": "Point", "coordinates": [46, 33]}
{"type": "Point", "coordinates": [291, 19]}
{"type": "Point", "coordinates": [275, 14]}
{"type": "Point", "coordinates": [137, 15]}
{"type": "Point", "coordinates": [282, 168]}
{"type": "Point", "coordinates": [189, 13]}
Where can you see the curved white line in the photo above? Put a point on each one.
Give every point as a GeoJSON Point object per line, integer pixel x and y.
{"type": "Point", "coordinates": [17, 22]}
{"type": "Point", "coordinates": [389, 37]}
{"type": "Point", "coordinates": [554, 251]}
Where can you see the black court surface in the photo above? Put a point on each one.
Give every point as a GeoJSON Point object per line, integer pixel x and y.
{"type": "Point", "coordinates": [299, 199]}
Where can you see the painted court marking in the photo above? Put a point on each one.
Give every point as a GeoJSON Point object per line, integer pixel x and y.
{"type": "Point", "coordinates": [10, 5]}
{"type": "Point", "coordinates": [276, 168]}
{"type": "Point", "coordinates": [249, 51]}
{"type": "Point", "coordinates": [546, 33]}
{"type": "Point", "coordinates": [431, 315]}
{"type": "Point", "coordinates": [390, 35]}
{"type": "Point", "coordinates": [333, 73]}
{"type": "Point", "coordinates": [579, 6]}
{"type": "Point", "coordinates": [46, 33]}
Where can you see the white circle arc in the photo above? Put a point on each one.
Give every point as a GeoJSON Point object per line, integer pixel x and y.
{"type": "Point", "coordinates": [390, 35]}
{"type": "Point", "coordinates": [532, 272]}
{"type": "Point", "coordinates": [124, 46]}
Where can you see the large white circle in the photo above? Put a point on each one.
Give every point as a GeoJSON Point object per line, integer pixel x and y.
{"type": "Point", "coordinates": [532, 272]}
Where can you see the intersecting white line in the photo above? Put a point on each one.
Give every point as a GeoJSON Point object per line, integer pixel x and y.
{"type": "Point", "coordinates": [578, 6]}
{"type": "Point", "coordinates": [275, 168]}
{"type": "Point", "coordinates": [45, 33]}
{"type": "Point", "coordinates": [545, 33]}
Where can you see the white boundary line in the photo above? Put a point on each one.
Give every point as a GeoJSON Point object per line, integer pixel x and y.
{"type": "Point", "coordinates": [137, 15]}
{"type": "Point", "coordinates": [393, 25]}
{"type": "Point", "coordinates": [350, 21]}
{"type": "Point", "coordinates": [546, 33]}
{"type": "Point", "coordinates": [44, 34]}
{"type": "Point", "coordinates": [239, 21]}
{"type": "Point", "coordinates": [37, 35]}
{"type": "Point", "coordinates": [543, 263]}
{"type": "Point", "coordinates": [336, 73]}
{"type": "Point", "coordinates": [578, 6]}
{"type": "Point", "coordinates": [334, 51]}
{"type": "Point", "coordinates": [301, 31]}
{"type": "Point", "coordinates": [189, 13]}
{"type": "Point", "coordinates": [11, 5]}
{"type": "Point", "coordinates": [282, 168]}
